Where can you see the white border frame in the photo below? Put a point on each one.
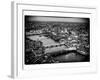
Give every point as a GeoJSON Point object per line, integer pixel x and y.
{"type": "Point", "coordinates": [18, 68]}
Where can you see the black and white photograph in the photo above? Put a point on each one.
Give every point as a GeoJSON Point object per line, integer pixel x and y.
{"type": "Point", "coordinates": [53, 39]}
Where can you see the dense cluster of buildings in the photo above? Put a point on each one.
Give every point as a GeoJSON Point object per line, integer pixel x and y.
{"type": "Point", "coordinates": [70, 34]}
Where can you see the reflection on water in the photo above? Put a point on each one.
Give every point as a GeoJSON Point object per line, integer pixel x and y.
{"type": "Point", "coordinates": [56, 40]}
{"type": "Point", "coordinates": [56, 54]}
{"type": "Point", "coordinates": [70, 57]}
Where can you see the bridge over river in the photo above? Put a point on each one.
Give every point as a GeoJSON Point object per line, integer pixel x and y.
{"type": "Point", "coordinates": [50, 44]}
{"type": "Point", "coordinates": [55, 48]}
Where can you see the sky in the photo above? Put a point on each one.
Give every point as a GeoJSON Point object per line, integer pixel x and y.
{"type": "Point", "coordinates": [56, 19]}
